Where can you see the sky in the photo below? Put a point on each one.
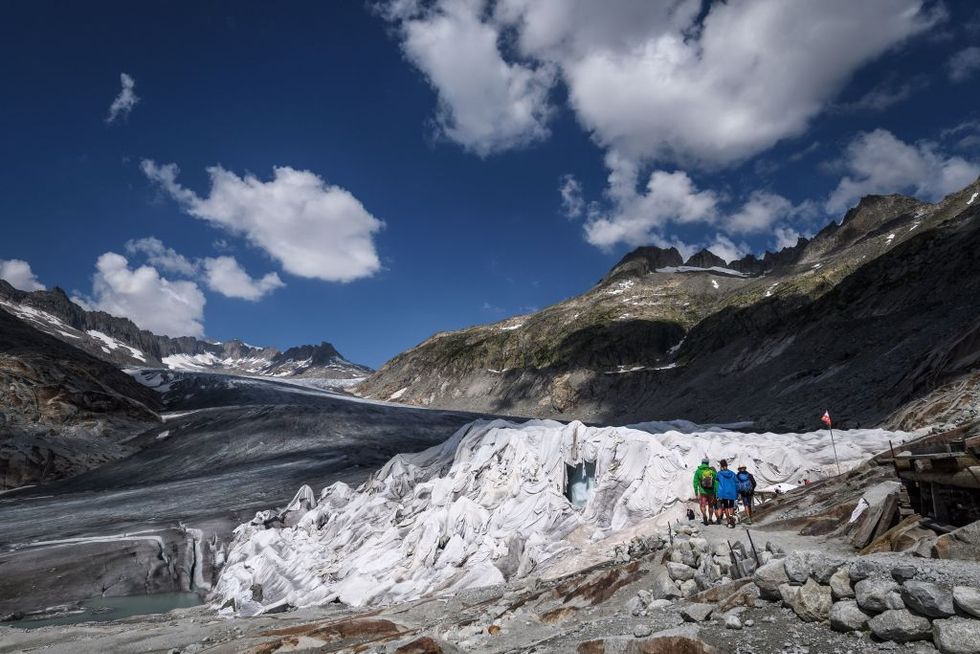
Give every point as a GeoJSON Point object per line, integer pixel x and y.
{"type": "Point", "coordinates": [371, 173]}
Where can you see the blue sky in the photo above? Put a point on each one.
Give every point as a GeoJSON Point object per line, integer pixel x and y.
{"type": "Point", "coordinates": [422, 149]}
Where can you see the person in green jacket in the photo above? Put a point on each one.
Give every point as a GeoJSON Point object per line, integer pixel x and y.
{"type": "Point", "coordinates": [705, 485]}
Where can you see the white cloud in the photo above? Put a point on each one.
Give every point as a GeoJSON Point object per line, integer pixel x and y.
{"type": "Point", "coordinates": [18, 274]}
{"type": "Point", "coordinates": [786, 237]}
{"type": "Point", "coordinates": [651, 81]}
{"type": "Point", "coordinates": [878, 163]}
{"type": "Point", "coordinates": [759, 213]}
{"type": "Point", "coordinates": [125, 101]}
{"type": "Point", "coordinates": [725, 248]}
{"type": "Point", "coordinates": [485, 103]}
{"type": "Point", "coordinates": [174, 308]}
{"type": "Point", "coordinates": [636, 219]}
{"type": "Point", "coordinates": [224, 275]}
{"type": "Point", "coordinates": [312, 228]}
{"type": "Point", "coordinates": [964, 64]}
{"type": "Point", "coordinates": [572, 202]}
{"type": "Point", "coordinates": [886, 94]}
{"type": "Point", "coordinates": [157, 254]}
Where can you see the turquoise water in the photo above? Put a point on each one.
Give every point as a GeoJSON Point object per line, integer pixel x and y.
{"type": "Point", "coordinates": [103, 609]}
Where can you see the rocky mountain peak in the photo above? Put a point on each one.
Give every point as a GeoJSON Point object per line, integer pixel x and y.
{"type": "Point", "coordinates": [643, 260]}
{"type": "Point", "coordinates": [706, 259]}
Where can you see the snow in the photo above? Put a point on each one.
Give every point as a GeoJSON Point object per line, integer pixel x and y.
{"type": "Point", "coordinates": [890, 238]}
{"type": "Point", "coordinates": [490, 505]}
{"type": "Point", "coordinates": [63, 333]}
{"type": "Point", "coordinates": [689, 269]}
{"type": "Point", "coordinates": [163, 434]}
{"type": "Point", "coordinates": [190, 362]}
{"type": "Point", "coordinates": [109, 341]}
{"type": "Point", "coordinates": [714, 283]}
{"type": "Point", "coordinates": [972, 198]}
{"type": "Point", "coordinates": [771, 289]}
{"type": "Point", "coordinates": [512, 327]}
{"type": "Point", "coordinates": [398, 394]}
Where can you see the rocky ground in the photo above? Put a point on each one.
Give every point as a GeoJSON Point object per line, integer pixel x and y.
{"type": "Point", "coordinates": [693, 588]}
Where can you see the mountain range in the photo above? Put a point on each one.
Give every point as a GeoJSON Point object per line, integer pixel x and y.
{"type": "Point", "coordinates": [868, 318]}
{"type": "Point", "coordinates": [118, 340]}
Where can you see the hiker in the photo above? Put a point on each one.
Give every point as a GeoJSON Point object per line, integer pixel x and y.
{"type": "Point", "coordinates": [727, 493]}
{"type": "Point", "coordinates": [745, 481]}
{"type": "Point", "coordinates": [704, 489]}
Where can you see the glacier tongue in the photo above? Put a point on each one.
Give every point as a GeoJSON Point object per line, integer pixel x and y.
{"type": "Point", "coordinates": [490, 504]}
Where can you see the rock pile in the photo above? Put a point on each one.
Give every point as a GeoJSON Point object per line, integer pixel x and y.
{"type": "Point", "coordinates": [891, 604]}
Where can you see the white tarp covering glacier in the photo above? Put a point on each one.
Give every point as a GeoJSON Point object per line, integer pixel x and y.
{"type": "Point", "coordinates": [490, 504]}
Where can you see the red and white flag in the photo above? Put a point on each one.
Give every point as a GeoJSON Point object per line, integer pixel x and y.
{"type": "Point", "coordinates": [826, 418]}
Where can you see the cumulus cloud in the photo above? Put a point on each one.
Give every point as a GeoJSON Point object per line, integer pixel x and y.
{"type": "Point", "coordinates": [636, 218]}
{"type": "Point", "coordinates": [18, 274]}
{"type": "Point", "coordinates": [760, 212]}
{"type": "Point", "coordinates": [157, 254]}
{"type": "Point", "coordinates": [224, 275]}
{"type": "Point", "coordinates": [964, 64]}
{"type": "Point", "coordinates": [725, 248]}
{"type": "Point", "coordinates": [651, 81]}
{"type": "Point", "coordinates": [314, 229]}
{"type": "Point", "coordinates": [877, 163]}
{"type": "Point", "coordinates": [486, 104]}
{"type": "Point", "coordinates": [785, 237]}
{"type": "Point", "coordinates": [572, 202]}
{"type": "Point", "coordinates": [163, 306]}
{"type": "Point", "coordinates": [125, 101]}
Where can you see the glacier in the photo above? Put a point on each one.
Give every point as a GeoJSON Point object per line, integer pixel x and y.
{"type": "Point", "coordinates": [492, 503]}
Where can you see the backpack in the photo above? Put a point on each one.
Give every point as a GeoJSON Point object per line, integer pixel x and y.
{"type": "Point", "coordinates": [707, 479]}
{"type": "Point", "coordinates": [744, 483]}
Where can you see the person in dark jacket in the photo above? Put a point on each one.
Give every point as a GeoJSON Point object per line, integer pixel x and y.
{"type": "Point", "coordinates": [745, 482]}
{"type": "Point", "coordinates": [727, 493]}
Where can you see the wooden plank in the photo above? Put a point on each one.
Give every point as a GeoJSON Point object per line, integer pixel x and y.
{"type": "Point", "coordinates": [888, 512]}
{"type": "Point", "coordinates": [867, 523]}
{"type": "Point", "coordinates": [965, 478]}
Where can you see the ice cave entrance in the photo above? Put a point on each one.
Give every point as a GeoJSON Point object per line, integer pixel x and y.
{"type": "Point", "coordinates": [580, 482]}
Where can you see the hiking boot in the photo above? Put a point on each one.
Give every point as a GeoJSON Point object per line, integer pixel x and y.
{"type": "Point", "coordinates": [704, 519]}
{"type": "Point", "coordinates": [731, 522]}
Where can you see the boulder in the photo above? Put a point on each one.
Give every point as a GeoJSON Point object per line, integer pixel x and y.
{"type": "Point", "coordinates": [956, 635]}
{"type": "Point", "coordinates": [700, 545]}
{"type": "Point", "coordinates": [689, 588]}
{"type": "Point", "coordinates": [773, 548]}
{"type": "Point", "coordinates": [928, 599]}
{"type": "Point", "coordinates": [903, 573]}
{"type": "Point", "coordinates": [797, 566]}
{"type": "Point", "coordinates": [642, 631]}
{"type": "Point", "coordinates": [848, 616]}
{"type": "Point", "coordinates": [967, 600]}
{"type": "Point", "coordinates": [877, 595]}
{"type": "Point", "coordinates": [658, 604]}
{"type": "Point", "coordinates": [900, 625]}
{"type": "Point", "coordinates": [812, 602]}
{"type": "Point", "coordinates": [840, 585]}
{"type": "Point", "coordinates": [732, 622]}
{"type": "Point", "coordinates": [662, 587]}
{"type": "Point", "coordinates": [823, 569]}
{"type": "Point", "coordinates": [860, 571]}
{"type": "Point", "coordinates": [768, 578]}
{"type": "Point", "coordinates": [679, 571]}
{"type": "Point", "coordinates": [962, 543]}
{"type": "Point", "coordinates": [697, 612]}
{"type": "Point", "coordinates": [788, 593]}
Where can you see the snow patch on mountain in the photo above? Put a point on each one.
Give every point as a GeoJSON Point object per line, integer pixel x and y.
{"type": "Point", "coordinates": [492, 503]}
{"type": "Point", "coordinates": [695, 269]}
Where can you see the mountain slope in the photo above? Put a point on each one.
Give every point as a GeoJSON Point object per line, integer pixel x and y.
{"type": "Point", "coordinates": [120, 341]}
{"type": "Point", "coordinates": [840, 319]}
{"type": "Point", "coordinates": [62, 411]}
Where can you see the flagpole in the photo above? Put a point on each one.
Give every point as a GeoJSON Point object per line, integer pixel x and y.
{"type": "Point", "coordinates": [830, 426]}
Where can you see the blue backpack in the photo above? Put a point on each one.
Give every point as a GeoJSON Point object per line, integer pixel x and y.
{"type": "Point", "coordinates": [744, 482]}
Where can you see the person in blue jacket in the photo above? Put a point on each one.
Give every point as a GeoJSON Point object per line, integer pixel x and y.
{"type": "Point", "coordinates": [727, 493]}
